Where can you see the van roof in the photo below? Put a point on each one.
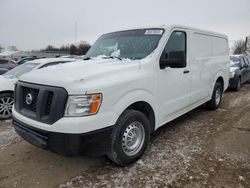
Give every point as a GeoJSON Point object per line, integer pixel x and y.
{"type": "Point", "coordinates": [197, 30]}
{"type": "Point", "coordinates": [170, 27]}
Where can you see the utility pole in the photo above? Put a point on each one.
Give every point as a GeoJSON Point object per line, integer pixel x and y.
{"type": "Point", "coordinates": [75, 31]}
{"type": "Point", "coordinates": [246, 44]}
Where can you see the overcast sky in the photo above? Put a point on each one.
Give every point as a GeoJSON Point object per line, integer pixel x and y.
{"type": "Point", "coordinates": [33, 24]}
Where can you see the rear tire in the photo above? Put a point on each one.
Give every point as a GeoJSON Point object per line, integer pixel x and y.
{"type": "Point", "coordinates": [6, 103]}
{"type": "Point", "coordinates": [214, 103]}
{"type": "Point", "coordinates": [130, 138]}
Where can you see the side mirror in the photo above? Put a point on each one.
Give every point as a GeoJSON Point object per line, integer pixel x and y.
{"type": "Point", "coordinates": [176, 59]}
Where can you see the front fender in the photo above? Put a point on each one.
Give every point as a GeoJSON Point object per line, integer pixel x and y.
{"type": "Point", "coordinates": [135, 96]}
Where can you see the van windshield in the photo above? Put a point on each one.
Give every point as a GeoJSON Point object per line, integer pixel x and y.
{"type": "Point", "coordinates": [132, 44]}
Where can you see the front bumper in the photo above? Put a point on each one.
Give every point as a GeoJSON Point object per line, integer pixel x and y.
{"type": "Point", "coordinates": [71, 125]}
{"type": "Point", "coordinates": [95, 142]}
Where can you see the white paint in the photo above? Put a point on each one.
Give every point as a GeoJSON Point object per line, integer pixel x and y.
{"type": "Point", "coordinates": [170, 92]}
{"type": "Point", "coordinates": [7, 84]}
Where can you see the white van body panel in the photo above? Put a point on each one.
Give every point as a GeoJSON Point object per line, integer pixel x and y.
{"type": "Point", "coordinates": [208, 64]}
{"type": "Point", "coordinates": [168, 91]}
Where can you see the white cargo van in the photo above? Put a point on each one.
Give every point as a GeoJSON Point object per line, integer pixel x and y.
{"type": "Point", "coordinates": [129, 84]}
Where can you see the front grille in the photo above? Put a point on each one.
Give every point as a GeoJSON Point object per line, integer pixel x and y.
{"type": "Point", "coordinates": [39, 102]}
{"type": "Point", "coordinates": [49, 103]}
{"type": "Point", "coordinates": [34, 94]}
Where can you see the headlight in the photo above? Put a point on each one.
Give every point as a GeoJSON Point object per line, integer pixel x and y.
{"type": "Point", "coordinates": [232, 74]}
{"type": "Point", "coordinates": [83, 105]}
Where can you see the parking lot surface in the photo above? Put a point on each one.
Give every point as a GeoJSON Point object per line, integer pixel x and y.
{"type": "Point", "coordinates": [200, 149]}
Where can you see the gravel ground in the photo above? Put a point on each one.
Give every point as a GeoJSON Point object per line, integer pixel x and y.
{"type": "Point", "coordinates": [200, 149]}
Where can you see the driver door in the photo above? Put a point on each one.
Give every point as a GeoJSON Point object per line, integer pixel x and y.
{"type": "Point", "coordinates": [174, 80]}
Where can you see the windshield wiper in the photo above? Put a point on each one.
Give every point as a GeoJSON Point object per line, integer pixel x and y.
{"type": "Point", "coordinates": [112, 57]}
{"type": "Point", "coordinates": [87, 58]}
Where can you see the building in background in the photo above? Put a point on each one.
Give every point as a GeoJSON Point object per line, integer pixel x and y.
{"type": "Point", "coordinates": [17, 55]}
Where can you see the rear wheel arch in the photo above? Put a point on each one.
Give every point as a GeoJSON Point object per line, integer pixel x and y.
{"type": "Point", "coordinates": [222, 77]}
{"type": "Point", "coordinates": [221, 81]}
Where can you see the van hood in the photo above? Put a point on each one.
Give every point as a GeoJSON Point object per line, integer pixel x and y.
{"type": "Point", "coordinates": [70, 74]}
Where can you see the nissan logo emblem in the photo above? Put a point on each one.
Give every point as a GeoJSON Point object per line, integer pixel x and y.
{"type": "Point", "coordinates": [28, 99]}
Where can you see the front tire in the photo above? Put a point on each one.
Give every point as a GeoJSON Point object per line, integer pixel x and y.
{"type": "Point", "coordinates": [130, 138]}
{"type": "Point", "coordinates": [214, 103]}
{"type": "Point", "coordinates": [6, 103]}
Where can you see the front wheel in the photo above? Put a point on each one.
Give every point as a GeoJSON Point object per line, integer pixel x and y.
{"type": "Point", "coordinates": [214, 103]}
{"type": "Point", "coordinates": [6, 103]}
{"type": "Point", "coordinates": [130, 137]}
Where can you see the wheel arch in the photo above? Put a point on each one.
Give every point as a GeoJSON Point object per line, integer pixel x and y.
{"type": "Point", "coordinates": [139, 100]}
{"type": "Point", "coordinates": [147, 110]}
{"type": "Point", "coordinates": [220, 77]}
{"type": "Point", "coordinates": [221, 81]}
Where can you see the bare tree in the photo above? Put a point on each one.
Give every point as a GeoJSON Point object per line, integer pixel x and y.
{"type": "Point", "coordinates": [248, 44]}
{"type": "Point", "coordinates": [239, 47]}
{"type": "Point", "coordinates": [80, 49]}
{"type": "Point", "coordinates": [12, 48]}
{"type": "Point", "coordinates": [50, 48]}
{"type": "Point", "coordinates": [73, 49]}
{"type": "Point", "coordinates": [83, 47]}
{"type": "Point", "coordinates": [64, 48]}
{"type": "Point", "coordinates": [242, 46]}
{"type": "Point", "coordinates": [1, 48]}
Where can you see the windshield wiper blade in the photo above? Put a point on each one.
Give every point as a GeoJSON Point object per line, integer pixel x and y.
{"type": "Point", "coordinates": [113, 57]}
{"type": "Point", "coordinates": [87, 58]}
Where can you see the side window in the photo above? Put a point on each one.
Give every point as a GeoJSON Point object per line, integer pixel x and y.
{"type": "Point", "coordinates": [241, 62]}
{"type": "Point", "coordinates": [2, 61]}
{"type": "Point", "coordinates": [174, 54]}
{"type": "Point", "coordinates": [244, 62]}
{"type": "Point", "coordinates": [247, 60]}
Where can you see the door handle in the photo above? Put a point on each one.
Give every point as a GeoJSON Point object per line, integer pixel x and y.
{"type": "Point", "coordinates": [186, 71]}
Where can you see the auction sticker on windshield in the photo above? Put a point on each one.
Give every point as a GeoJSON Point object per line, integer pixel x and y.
{"type": "Point", "coordinates": [154, 32]}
